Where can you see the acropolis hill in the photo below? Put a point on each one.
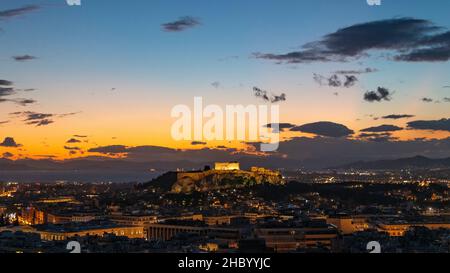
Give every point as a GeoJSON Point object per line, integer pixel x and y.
{"type": "Point", "coordinates": [224, 175]}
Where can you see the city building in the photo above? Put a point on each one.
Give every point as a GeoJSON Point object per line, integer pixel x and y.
{"type": "Point", "coordinates": [399, 229]}
{"type": "Point", "coordinates": [63, 232]}
{"type": "Point", "coordinates": [347, 224]}
{"type": "Point", "coordinates": [226, 166]}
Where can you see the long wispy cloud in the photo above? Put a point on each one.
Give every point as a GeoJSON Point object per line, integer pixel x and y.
{"type": "Point", "coordinates": [377, 136]}
{"type": "Point", "coordinates": [5, 83]}
{"type": "Point", "coordinates": [23, 102]}
{"type": "Point", "coordinates": [382, 128]}
{"type": "Point", "coordinates": [397, 116]}
{"type": "Point", "coordinates": [10, 13]}
{"type": "Point", "coordinates": [408, 39]}
{"type": "Point", "coordinates": [357, 72]}
{"type": "Point", "coordinates": [39, 119]}
{"type": "Point", "coordinates": [7, 90]}
{"type": "Point", "coordinates": [434, 125]}
{"type": "Point", "coordinates": [24, 58]}
{"type": "Point", "coordinates": [324, 128]}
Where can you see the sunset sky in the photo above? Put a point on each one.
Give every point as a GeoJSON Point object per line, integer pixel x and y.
{"type": "Point", "coordinates": [109, 72]}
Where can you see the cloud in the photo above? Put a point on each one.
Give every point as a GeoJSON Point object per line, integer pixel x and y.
{"type": "Point", "coordinates": [364, 135]}
{"type": "Point", "coordinates": [356, 72]}
{"type": "Point", "coordinates": [4, 122]}
{"type": "Point", "coordinates": [379, 95]}
{"type": "Point", "coordinates": [441, 54]}
{"type": "Point", "coordinates": [6, 83]}
{"type": "Point", "coordinates": [80, 136]}
{"type": "Point", "coordinates": [279, 98]}
{"type": "Point", "coordinates": [43, 122]}
{"type": "Point", "coordinates": [46, 156]}
{"type": "Point", "coordinates": [335, 81]}
{"type": "Point", "coordinates": [332, 81]}
{"type": "Point", "coordinates": [40, 119]}
{"type": "Point", "coordinates": [111, 149]}
{"type": "Point", "coordinates": [24, 58]}
{"type": "Point", "coordinates": [350, 80]}
{"type": "Point", "coordinates": [72, 148]}
{"type": "Point", "coordinates": [433, 48]}
{"type": "Point", "coordinates": [377, 137]}
{"type": "Point", "coordinates": [30, 116]}
{"type": "Point", "coordinates": [10, 142]}
{"type": "Point", "coordinates": [409, 39]}
{"type": "Point", "coordinates": [7, 155]}
{"type": "Point", "coordinates": [259, 93]}
{"type": "Point", "coordinates": [427, 100]}
{"type": "Point", "coordinates": [198, 143]}
{"type": "Point", "coordinates": [394, 116]}
{"type": "Point", "coordinates": [324, 128]}
{"type": "Point", "coordinates": [68, 114]}
{"type": "Point", "coordinates": [9, 91]}
{"type": "Point", "coordinates": [181, 24]}
{"type": "Point", "coordinates": [6, 91]}
{"type": "Point", "coordinates": [435, 125]}
{"type": "Point", "coordinates": [73, 140]}
{"type": "Point", "coordinates": [382, 128]}
{"type": "Point", "coordinates": [216, 84]}
{"type": "Point", "coordinates": [23, 102]}
{"type": "Point", "coordinates": [10, 13]}
{"type": "Point", "coordinates": [280, 125]}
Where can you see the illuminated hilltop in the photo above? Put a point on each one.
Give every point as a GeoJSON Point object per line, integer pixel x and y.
{"type": "Point", "coordinates": [224, 175]}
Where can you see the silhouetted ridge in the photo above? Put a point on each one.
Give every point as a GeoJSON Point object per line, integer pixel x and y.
{"type": "Point", "coordinates": [417, 162]}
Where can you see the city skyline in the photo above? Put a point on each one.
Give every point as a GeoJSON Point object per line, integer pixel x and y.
{"type": "Point", "coordinates": [102, 82]}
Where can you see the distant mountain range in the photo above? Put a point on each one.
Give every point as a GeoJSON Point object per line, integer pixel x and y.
{"type": "Point", "coordinates": [88, 164]}
{"type": "Point", "coordinates": [114, 165]}
{"type": "Point", "coordinates": [417, 162]}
